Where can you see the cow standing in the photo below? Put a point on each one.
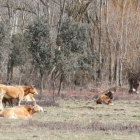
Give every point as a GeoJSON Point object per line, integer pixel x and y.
{"type": "Point", "coordinates": [15, 92]}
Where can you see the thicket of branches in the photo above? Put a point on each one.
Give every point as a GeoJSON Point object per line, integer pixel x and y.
{"type": "Point", "coordinates": [76, 43]}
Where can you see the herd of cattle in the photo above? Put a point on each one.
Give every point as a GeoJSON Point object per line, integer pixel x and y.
{"type": "Point", "coordinates": [8, 93]}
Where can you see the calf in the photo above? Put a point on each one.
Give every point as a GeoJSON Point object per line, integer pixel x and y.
{"type": "Point", "coordinates": [29, 97]}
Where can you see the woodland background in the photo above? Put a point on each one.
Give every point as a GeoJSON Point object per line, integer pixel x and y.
{"type": "Point", "coordinates": [76, 44]}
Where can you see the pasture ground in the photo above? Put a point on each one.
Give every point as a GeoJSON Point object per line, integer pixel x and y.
{"type": "Point", "coordinates": [77, 117]}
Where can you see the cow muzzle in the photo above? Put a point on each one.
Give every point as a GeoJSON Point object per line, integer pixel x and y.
{"type": "Point", "coordinates": [133, 89]}
{"type": "Point", "coordinates": [36, 93]}
{"type": "Point", "coordinates": [41, 110]}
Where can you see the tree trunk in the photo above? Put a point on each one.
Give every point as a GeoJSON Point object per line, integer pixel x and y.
{"type": "Point", "coordinates": [120, 74]}
{"type": "Point", "coordinates": [117, 71]}
{"type": "Point", "coordinates": [121, 45]}
{"type": "Point", "coordinates": [54, 90]}
{"type": "Point", "coordinates": [41, 83]}
{"type": "Point", "coordinates": [100, 44]}
{"type": "Point", "coordinates": [62, 9]}
{"type": "Point", "coordinates": [60, 85]}
{"type": "Point", "coordinates": [9, 72]}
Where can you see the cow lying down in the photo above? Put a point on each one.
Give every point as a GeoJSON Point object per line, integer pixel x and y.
{"type": "Point", "coordinates": [23, 111]}
{"type": "Point", "coordinates": [105, 98]}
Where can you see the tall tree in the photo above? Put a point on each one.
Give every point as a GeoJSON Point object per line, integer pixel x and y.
{"type": "Point", "coordinates": [17, 56]}
{"type": "Point", "coordinates": [40, 46]}
{"type": "Point", "coordinates": [72, 39]}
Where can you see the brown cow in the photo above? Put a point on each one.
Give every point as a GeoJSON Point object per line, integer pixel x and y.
{"type": "Point", "coordinates": [105, 98]}
{"type": "Point", "coordinates": [5, 100]}
{"type": "Point", "coordinates": [15, 92]}
{"type": "Point", "coordinates": [22, 111]}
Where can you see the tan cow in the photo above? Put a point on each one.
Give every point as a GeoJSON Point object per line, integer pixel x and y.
{"type": "Point", "coordinates": [29, 97]}
{"type": "Point", "coordinates": [19, 112]}
{"type": "Point", "coordinates": [105, 98]}
{"type": "Point", "coordinates": [15, 92]}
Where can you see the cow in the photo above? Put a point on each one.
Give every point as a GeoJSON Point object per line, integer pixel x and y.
{"type": "Point", "coordinates": [105, 98]}
{"type": "Point", "coordinates": [20, 112]}
{"type": "Point", "coordinates": [5, 100]}
{"type": "Point", "coordinates": [134, 84]}
{"type": "Point", "coordinates": [15, 92]}
{"type": "Point", "coordinates": [29, 97]}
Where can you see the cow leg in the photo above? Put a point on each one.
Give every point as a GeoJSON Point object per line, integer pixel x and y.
{"type": "Point", "coordinates": [4, 104]}
{"type": "Point", "coordinates": [11, 102]}
{"type": "Point", "coordinates": [110, 102]}
{"type": "Point", "coordinates": [20, 98]}
{"type": "Point", "coordinates": [99, 101]}
{"type": "Point", "coordinates": [19, 101]}
{"type": "Point", "coordinates": [106, 101]}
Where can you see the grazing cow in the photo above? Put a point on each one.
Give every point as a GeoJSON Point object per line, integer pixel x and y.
{"type": "Point", "coordinates": [15, 92]}
{"type": "Point", "coordinates": [105, 98]}
{"type": "Point", "coordinates": [19, 112]}
{"type": "Point", "coordinates": [29, 97]}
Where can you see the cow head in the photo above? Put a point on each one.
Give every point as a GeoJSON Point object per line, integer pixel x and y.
{"type": "Point", "coordinates": [36, 108]}
{"type": "Point", "coordinates": [110, 94]}
{"type": "Point", "coordinates": [32, 90]}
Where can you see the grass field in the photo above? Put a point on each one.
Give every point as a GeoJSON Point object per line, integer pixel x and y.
{"type": "Point", "coordinates": [79, 119]}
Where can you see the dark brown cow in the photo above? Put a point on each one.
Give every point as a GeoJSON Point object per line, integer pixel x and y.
{"type": "Point", "coordinates": [134, 84]}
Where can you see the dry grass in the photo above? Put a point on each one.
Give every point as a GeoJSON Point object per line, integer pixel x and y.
{"type": "Point", "coordinates": [71, 126]}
